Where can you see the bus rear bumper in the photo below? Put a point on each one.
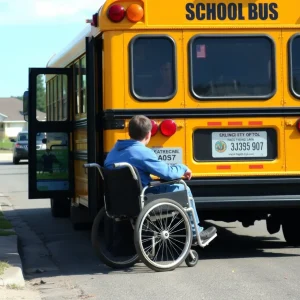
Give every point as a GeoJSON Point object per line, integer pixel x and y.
{"type": "Point", "coordinates": [246, 193]}
{"type": "Point", "coordinates": [248, 202]}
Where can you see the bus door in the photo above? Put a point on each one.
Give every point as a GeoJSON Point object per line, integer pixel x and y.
{"type": "Point", "coordinates": [94, 128]}
{"type": "Point", "coordinates": [50, 150]}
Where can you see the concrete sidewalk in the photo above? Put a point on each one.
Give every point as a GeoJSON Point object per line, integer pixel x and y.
{"type": "Point", "coordinates": [13, 275]}
{"type": "Point", "coordinates": [6, 156]}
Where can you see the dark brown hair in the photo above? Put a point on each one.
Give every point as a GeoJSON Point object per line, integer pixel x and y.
{"type": "Point", "coordinates": [139, 127]}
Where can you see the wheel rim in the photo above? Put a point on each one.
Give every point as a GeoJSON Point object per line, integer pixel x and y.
{"type": "Point", "coordinates": [164, 235]}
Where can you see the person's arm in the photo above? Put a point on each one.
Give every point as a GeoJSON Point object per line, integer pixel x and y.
{"type": "Point", "coordinates": [162, 169]}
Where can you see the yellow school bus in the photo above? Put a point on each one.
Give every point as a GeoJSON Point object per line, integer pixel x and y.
{"type": "Point", "coordinates": [220, 81]}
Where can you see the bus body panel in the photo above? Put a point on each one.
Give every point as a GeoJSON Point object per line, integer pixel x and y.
{"type": "Point", "coordinates": [228, 186]}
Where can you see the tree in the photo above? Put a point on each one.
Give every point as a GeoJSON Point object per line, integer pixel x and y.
{"type": "Point", "coordinates": [40, 93]}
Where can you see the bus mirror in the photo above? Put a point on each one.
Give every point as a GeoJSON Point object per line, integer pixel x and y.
{"type": "Point", "coordinates": [25, 105]}
{"type": "Point", "coordinates": [44, 141]}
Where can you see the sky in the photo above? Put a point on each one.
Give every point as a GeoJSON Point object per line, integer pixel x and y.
{"type": "Point", "coordinates": [32, 31]}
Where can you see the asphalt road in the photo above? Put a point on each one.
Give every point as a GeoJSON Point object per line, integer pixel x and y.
{"type": "Point", "coordinates": [242, 263]}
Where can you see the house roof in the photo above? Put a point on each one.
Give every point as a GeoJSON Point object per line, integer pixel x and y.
{"type": "Point", "coordinates": [12, 109]}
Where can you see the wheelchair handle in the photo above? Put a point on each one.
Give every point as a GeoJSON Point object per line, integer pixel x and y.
{"type": "Point", "coordinates": [124, 164]}
{"type": "Point", "coordinates": [94, 165]}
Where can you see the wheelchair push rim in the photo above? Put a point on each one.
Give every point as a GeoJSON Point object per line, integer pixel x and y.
{"type": "Point", "coordinates": [163, 235]}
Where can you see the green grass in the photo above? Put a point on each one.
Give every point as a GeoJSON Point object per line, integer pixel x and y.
{"type": "Point", "coordinates": [3, 267]}
{"type": "Point", "coordinates": [1, 214]}
{"type": "Point", "coordinates": [6, 232]}
{"type": "Point", "coordinates": [6, 145]}
{"type": "Point", "coordinates": [4, 224]}
{"type": "Point", "coordinates": [53, 176]}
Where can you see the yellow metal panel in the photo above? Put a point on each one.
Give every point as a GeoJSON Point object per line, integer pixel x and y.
{"type": "Point", "coordinates": [111, 137]}
{"type": "Point", "coordinates": [81, 180]}
{"type": "Point", "coordinates": [113, 65]}
{"type": "Point", "coordinates": [275, 101]}
{"type": "Point", "coordinates": [178, 100]}
{"type": "Point", "coordinates": [192, 14]}
{"type": "Point", "coordinates": [177, 140]}
{"type": "Point", "coordinates": [80, 139]}
{"type": "Point", "coordinates": [289, 99]}
{"type": "Point", "coordinates": [241, 168]}
{"type": "Point", "coordinates": [292, 138]}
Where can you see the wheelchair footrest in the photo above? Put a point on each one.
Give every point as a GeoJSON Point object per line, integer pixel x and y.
{"type": "Point", "coordinates": [205, 243]}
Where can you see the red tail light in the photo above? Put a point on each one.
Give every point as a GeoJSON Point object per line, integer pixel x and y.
{"type": "Point", "coordinates": [298, 125]}
{"type": "Point", "coordinates": [18, 145]}
{"type": "Point", "coordinates": [154, 128]}
{"type": "Point", "coordinates": [116, 13]}
{"type": "Point", "coordinates": [168, 127]}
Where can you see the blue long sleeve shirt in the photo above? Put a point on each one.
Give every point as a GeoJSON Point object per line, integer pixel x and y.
{"type": "Point", "coordinates": [144, 159]}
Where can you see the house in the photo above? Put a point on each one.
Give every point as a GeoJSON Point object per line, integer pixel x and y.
{"type": "Point", "coordinates": [11, 117]}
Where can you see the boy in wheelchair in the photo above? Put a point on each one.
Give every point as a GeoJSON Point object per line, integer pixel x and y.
{"type": "Point", "coordinates": [135, 152]}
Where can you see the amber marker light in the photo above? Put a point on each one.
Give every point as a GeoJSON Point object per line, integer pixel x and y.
{"type": "Point", "coordinates": [134, 13]}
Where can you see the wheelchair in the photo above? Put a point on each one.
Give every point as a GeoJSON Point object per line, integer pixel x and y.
{"type": "Point", "coordinates": [136, 226]}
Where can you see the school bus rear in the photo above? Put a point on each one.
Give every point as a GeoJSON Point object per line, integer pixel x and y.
{"type": "Point", "coordinates": [220, 82]}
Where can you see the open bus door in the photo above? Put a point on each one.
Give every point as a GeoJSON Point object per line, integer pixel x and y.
{"type": "Point", "coordinates": [50, 148]}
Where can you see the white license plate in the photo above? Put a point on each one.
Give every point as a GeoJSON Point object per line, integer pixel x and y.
{"type": "Point", "coordinates": [239, 144]}
{"type": "Point", "coordinates": [169, 155]}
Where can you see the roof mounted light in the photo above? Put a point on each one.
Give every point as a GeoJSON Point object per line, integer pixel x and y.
{"type": "Point", "coordinates": [135, 13]}
{"type": "Point", "coordinates": [93, 21]}
{"type": "Point", "coordinates": [116, 13]}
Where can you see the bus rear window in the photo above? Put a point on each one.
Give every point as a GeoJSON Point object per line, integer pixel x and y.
{"type": "Point", "coordinates": [232, 67]}
{"type": "Point", "coordinates": [153, 71]}
{"type": "Point", "coordinates": [295, 65]}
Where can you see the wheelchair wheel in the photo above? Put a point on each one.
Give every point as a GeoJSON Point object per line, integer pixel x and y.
{"type": "Point", "coordinates": [162, 235]}
{"type": "Point", "coordinates": [113, 241]}
{"type": "Point", "coordinates": [190, 262]}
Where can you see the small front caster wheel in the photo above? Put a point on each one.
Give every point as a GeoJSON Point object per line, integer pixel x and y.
{"type": "Point", "coordinates": [190, 262]}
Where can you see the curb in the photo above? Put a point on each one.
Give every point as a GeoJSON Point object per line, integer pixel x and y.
{"type": "Point", "coordinates": [9, 253]}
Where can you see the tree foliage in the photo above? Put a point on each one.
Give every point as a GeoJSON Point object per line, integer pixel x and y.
{"type": "Point", "coordinates": [40, 94]}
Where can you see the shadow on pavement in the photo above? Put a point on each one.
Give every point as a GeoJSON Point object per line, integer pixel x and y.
{"type": "Point", "coordinates": [71, 251]}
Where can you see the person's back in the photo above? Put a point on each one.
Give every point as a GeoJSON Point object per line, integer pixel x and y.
{"type": "Point", "coordinates": [144, 159]}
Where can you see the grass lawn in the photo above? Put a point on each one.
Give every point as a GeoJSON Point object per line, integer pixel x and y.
{"type": "Point", "coordinates": [6, 145]}
{"type": "Point", "coordinates": [4, 224]}
{"type": "Point", "coordinates": [3, 266]}
{"type": "Point", "coordinates": [6, 232]}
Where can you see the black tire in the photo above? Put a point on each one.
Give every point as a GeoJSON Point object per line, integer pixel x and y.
{"type": "Point", "coordinates": [60, 207]}
{"type": "Point", "coordinates": [16, 161]}
{"type": "Point", "coordinates": [104, 243]}
{"type": "Point", "coordinates": [148, 229]}
{"type": "Point", "coordinates": [290, 228]}
{"type": "Point", "coordinates": [273, 224]}
{"type": "Point", "coordinates": [192, 262]}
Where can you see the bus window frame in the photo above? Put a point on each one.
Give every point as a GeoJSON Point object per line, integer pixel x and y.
{"type": "Point", "coordinates": [131, 69]}
{"type": "Point", "coordinates": [234, 98]}
{"type": "Point", "coordinates": [290, 62]}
